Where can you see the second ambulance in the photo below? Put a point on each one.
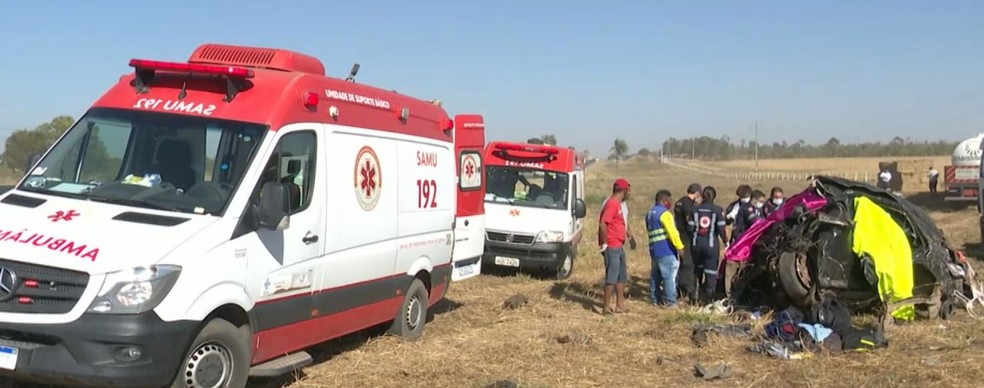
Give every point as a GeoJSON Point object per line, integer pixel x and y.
{"type": "Point", "coordinates": [534, 207]}
{"type": "Point", "coordinates": [209, 220]}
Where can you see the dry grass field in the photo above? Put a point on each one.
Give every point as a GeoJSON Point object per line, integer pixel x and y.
{"type": "Point", "coordinates": [473, 342]}
{"type": "Point", "coordinates": [835, 165]}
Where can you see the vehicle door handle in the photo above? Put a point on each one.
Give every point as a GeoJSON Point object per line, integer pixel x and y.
{"type": "Point", "coordinates": [466, 222]}
{"type": "Point", "coordinates": [310, 238]}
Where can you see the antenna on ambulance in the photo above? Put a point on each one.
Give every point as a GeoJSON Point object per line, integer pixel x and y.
{"type": "Point", "coordinates": [352, 73]}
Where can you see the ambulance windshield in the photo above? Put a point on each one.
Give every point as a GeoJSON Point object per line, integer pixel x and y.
{"type": "Point", "coordinates": [151, 160]}
{"type": "Point", "coordinates": [529, 187]}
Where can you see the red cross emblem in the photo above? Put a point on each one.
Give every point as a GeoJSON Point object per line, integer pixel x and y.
{"type": "Point", "coordinates": [514, 212]}
{"type": "Point", "coordinates": [368, 178]}
{"type": "Point", "coordinates": [368, 172]}
{"type": "Point", "coordinates": [62, 215]}
{"type": "Point", "coordinates": [469, 169]}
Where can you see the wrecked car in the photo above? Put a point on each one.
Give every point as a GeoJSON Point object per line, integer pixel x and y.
{"type": "Point", "coordinates": [873, 250]}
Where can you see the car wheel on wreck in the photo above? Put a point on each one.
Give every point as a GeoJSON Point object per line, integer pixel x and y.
{"type": "Point", "coordinates": [794, 277]}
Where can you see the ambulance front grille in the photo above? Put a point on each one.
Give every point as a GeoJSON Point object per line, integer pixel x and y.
{"type": "Point", "coordinates": [523, 239]}
{"type": "Point", "coordinates": [34, 289]}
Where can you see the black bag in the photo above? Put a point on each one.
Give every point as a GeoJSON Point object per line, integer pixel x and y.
{"type": "Point", "coordinates": [832, 314]}
{"type": "Point", "coordinates": [861, 339]}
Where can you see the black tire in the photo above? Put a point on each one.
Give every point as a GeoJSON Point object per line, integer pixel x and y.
{"type": "Point", "coordinates": [566, 266]}
{"type": "Point", "coordinates": [220, 345]}
{"type": "Point", "coordinates": [790, 280]}
{"type": "Point", "coordinates": [412, 317]}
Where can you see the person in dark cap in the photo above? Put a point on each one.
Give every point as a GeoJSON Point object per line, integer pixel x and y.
{"type": "Point", "coordinates": [683, 211]}
{"type": "Point", "coordinates": [611, 238]}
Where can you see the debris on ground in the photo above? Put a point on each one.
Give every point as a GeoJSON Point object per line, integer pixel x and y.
{"type": "Point", "coordinates": [719, 371]}
{"type": "Point", "coordinates": [574, 339]}
{"type": "Point", "coordinates": [502, 384]}
{"type": "Point", "coordinates": [515, 302]}
{"type": "Point", "coordinates": [699, 335]}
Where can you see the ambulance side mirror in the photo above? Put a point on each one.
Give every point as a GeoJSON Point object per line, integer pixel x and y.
{"type": "Point", "coordinates": [580, 209]}
{"type": "Point", "coordinates": [274, 209]}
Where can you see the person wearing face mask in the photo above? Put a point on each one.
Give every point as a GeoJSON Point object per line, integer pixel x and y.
{"type": "Point", "coordinates": [744, 193]}
{"type": "Point", "coordinates": [665, 247]}
{"type": "Point", "coordinates": [682, 211]}
{"type": "Point", "coordinates": [748, 213]}
{"type": "Point", "coordinates": [775, 201]}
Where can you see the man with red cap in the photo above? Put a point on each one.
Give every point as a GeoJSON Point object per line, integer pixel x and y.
{"type": "Point", "coordinates": [611, 238]}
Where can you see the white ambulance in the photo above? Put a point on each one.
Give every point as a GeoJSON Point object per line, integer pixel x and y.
{"type": "Point", "coordinates": [534, 207]}
{"type": "Point", "coordinates": [209, 220]}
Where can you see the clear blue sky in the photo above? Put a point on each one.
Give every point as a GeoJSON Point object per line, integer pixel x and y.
{"type": "Point", "coordinates": [642, 70]}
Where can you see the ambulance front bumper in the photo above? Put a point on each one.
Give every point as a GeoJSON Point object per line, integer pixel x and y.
{"type": "Point", "coordinates": [96, 350]}
{"type": "Point", "coordinates": [537, 256]}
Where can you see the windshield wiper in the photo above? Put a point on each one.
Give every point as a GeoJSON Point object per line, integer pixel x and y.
{"type": "Point", "coordinates": [132, 202]}
{"type": "Point", "coordinates": [510, 201]}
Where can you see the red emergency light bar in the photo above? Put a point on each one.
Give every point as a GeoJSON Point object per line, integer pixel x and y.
{"type": "Point", "coordinates": [235, 77]}
{"type": "Point", "coordinates": [527, 148]}
{"type": "Point", "coordinates": [238, 72]}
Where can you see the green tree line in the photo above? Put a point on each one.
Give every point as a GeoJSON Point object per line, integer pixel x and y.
{"type": "Point", "coordinates": [22, 144]}
{"type": "Point", "coordinates": [723, 148]}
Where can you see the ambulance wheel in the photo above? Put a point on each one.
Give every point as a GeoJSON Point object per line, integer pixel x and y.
{"type": "Point", "coordinates": [566, 267]}
{"type": "Point", "coordinates": [218, 358]}
{"type": "Point", "coordinates": [947, 309]}
{"type": "Point", "coordinates": [410, 320]}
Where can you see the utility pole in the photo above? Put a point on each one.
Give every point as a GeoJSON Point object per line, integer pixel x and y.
{"type": "Point", "coordinates": [756, 146]}
{"type": "Point", "coordinates": [693, 149]}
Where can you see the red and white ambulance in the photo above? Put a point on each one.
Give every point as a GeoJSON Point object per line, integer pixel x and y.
{"type": "Point", "coordinates": [209, 220]}
{"type": "Point", "coordinates": [534, 205]}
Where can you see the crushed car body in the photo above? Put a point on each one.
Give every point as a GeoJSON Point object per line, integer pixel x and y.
{"type": "Point", "coordinates": [874, 250]}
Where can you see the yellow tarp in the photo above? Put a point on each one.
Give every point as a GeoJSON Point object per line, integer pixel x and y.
{"type": "Point", "coordinates": [879, 237]}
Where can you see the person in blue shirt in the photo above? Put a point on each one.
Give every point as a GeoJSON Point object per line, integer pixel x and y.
{"type": "Point", "coordinates": [665, 246]}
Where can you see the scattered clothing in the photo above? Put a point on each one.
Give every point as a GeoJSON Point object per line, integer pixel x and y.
{"type": "Point", "coordinates": [818, 332]}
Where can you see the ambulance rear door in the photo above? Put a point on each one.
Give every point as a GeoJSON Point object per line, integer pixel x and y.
{"type": "Point", "coordinates": [469, 232]}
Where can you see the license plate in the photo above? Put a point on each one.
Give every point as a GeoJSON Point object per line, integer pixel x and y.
{"type": "Point", "coordinates": [507, 261]}
{"type": "Point", "coordinates": [466, 270]}
{"type": "Point", "coordinates": [8, 357]}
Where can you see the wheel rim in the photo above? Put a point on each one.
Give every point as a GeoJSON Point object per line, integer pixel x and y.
{"type": "Point", "coordinates": [566, 267]}
{"type": "Point", "coordinates": [209, 366]}
{"type": "Point", "coordinates": [415, 311]}
{"type": "Point", "coordinates": [803, 271]}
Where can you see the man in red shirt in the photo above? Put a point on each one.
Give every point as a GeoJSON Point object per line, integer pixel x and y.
{"type": "Point", "coordinates": [611, 238]}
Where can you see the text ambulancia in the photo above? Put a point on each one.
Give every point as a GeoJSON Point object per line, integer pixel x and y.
{"type": "Point", "coordinates": [534, 207]}
{"type": "Point", "coordinates": [209, 220]}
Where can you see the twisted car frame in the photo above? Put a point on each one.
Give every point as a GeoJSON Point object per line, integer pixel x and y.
{"type": "Point", "coordinates": [796, 255]}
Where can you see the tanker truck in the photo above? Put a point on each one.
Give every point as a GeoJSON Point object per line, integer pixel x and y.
{"type": "Point", "coordinates": [961, 177]}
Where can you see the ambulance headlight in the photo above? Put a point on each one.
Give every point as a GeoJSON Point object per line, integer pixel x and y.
{"type": "Point", "coordinates": [135, 290]}
{"type": "Point", "coordinates": [549, 236]}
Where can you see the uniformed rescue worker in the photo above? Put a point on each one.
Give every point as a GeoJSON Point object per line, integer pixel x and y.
{"type": "Point", "coordinates": [744, 193]}
{"type": "Point", "coordinates": [707, 225]}
{"type": "Point", "coordinates": [683, 210]}
{"type": "Point", "coordinates": [775, 201]}
{"type": "Point", "coordinates": [746, 215]}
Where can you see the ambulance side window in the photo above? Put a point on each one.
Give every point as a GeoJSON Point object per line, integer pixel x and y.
{"type": "Point", "coordinates": [574, 191]}
{"type": "Point", "coordinates": [292, 164]}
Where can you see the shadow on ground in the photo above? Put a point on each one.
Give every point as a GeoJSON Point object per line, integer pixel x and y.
{"type": "Point", "coordinates": [936, 203]}
{"type": "Point", "coordinates": [326, 351]}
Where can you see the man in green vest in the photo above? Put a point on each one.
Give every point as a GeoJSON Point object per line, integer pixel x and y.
{"type": "Point", "coordinates": [665, 246]}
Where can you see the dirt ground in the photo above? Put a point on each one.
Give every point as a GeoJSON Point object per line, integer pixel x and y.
{"type": "Point", "coordinates": [473, 342]}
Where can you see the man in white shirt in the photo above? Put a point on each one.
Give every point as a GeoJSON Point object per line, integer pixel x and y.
{"type": "Point", "coordinates": [884, 178]}
{"type": "Point", "coordinates": [934, 179]}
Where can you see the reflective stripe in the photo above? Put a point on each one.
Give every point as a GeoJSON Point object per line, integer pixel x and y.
{"type": "Point", "coordinates": [710, 272]}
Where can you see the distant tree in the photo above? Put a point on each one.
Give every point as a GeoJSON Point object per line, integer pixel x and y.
{"type": "Point", "coordinates": [643, 152]}
{"type": "Point", "coordinates": [549, 139]}
{"type": "Point", "coordinates": [21, 144]}
{"type": "Point", "coordinates": [619, 150]}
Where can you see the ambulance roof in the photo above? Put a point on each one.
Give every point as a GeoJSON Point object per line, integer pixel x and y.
{"type": "Point", "coordinates": [536, 156]}
{"type": "Point", "coordinates": [270, 86]}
